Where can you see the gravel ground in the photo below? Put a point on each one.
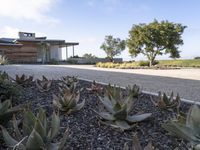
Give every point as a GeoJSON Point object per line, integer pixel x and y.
{"type": "Point", "coordinates": [86, 131]}
{"type": "Point", "coordinates": [186, 82]}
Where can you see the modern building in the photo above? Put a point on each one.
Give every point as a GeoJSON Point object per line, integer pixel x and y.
{"type": "Point", "coordinates": [31, 49]}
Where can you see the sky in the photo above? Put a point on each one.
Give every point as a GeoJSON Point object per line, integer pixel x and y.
{"type": "Point", "coordinates": [89, 21]}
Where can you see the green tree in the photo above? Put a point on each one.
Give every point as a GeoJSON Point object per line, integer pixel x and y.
{"type": "Point", "coordinates": [86, 55]}
{"type": "Point", "coordinates": [113, 46]}
{"type": "Point", "coordinates": [156, 38]}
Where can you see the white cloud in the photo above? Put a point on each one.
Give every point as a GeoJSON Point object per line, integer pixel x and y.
{"type": "Point", "coordinates": [27, 9]}
{"type": "Point", "coordinates": [12, 32]}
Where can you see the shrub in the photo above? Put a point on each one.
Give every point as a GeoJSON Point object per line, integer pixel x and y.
{"type": "Point", "coordinates": [198, 57]}
{"type": "Point", "coordinates": [144, 63]}
{"type": "Point", "coordinates": [53, 62]}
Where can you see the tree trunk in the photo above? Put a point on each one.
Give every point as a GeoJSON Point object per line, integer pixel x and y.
{"type": "Point", "coordinates": [151, 62]}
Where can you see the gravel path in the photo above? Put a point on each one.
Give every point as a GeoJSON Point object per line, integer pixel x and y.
{"type": "Point", "coordinates": [184, 81]}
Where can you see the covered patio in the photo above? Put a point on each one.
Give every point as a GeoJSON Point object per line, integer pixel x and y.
{"type": "Point", "coordinates": [72, 45]}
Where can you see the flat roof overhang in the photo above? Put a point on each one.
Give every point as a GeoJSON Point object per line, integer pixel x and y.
{"type": "Point", "coordinates": [9, 44]}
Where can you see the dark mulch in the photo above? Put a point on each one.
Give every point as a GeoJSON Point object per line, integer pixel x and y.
{"type": "Point", "coordinates": [87, 132]}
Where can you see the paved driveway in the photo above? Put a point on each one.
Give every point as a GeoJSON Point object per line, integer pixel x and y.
{"type": "Point", "coordinates": [185, 81]}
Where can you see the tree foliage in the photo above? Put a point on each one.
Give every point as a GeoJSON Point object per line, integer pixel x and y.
{"type": "Point", "coordinates": [156, 38]}
{"type": "Point", "coordinates": [113, 46]}
{"type": "Point", "coordinates": [89, 56]}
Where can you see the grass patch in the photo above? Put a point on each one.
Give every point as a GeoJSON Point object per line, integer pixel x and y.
{"type": "Point", "coordinates": [180, 63]}
{"type": "Point", "coordinates": [144, 64]}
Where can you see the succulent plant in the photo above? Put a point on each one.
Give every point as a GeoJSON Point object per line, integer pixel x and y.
{"type": "Point", "coordinates": [43, 85]}
{"type": "Point", "coordinates": [23, 80]}
{"type": "Point", "coordinates": [95, 88]}
{"type": "Point", "coordinates": [188, 130]}
{"type": "Point", "coordinates": [166, 102]}
{"type": "Point", "coordinates": [6, 111]}
{"type": "Point", "coordinates": [4, 76]}
{"type": "Point", "coordinates": [134, 90]}
{"type": "Point", "coordinates": [69, 83]}
{"type": "Point", "coordinates": [70, 80]}
{"type": "Point", "coordinates": [137, 146]}
{"type": "Point", "coordinates": [8, 88]}
{"type": "Point", "coordinates": [118, 111]}
{"type": "Point", "coordinates": [67, 100]}
{"type": "Point", "coordinates": [38, 133]}
{"type": "Point", "coordinates": [113, 92]}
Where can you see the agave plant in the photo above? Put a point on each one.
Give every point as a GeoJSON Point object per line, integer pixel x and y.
{"type": "Point", "coordinates": [68, 83]}
{"type": "Point", "coordinates": [67, 100]}
{"type": "Point", "coordinates": [43, 85]}
{"type": "Point", "coordinates": [38, 133]}
{"type": "Point", "coordinates": [95, 88]}
{"type": "Point", "coordinates": [113, 92]}
{"type": "Point", "coordinates": [118, 112]}
{"type": "Point", "coordinates": [137, 146]}
{"type": "Point", "coordinates": [6, 111]}
{"type": "Point", "coordinates": [134, 90]}
{"type": "Point", "coordinates": [188, 130]}
{"type": "Point", "coordinates": [166, 102]}
{"type": "Point", "coordinates": [8, 88]}
{"type": "Point", "coordinates": [23, 80]}
{"type": "Point", "coordinates": [4, 76]}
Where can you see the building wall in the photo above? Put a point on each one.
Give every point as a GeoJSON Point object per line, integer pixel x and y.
{"type": "Point", "coordinates": [21, 54]}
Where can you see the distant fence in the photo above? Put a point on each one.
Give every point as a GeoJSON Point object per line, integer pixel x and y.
{"type": "Point", "coordinates": [91, 60]}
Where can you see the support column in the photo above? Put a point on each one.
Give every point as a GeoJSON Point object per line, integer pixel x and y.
{"type": "Point", "coordinates": [73, 50]}
{"type": "Point", "coordinates": [66, 53]}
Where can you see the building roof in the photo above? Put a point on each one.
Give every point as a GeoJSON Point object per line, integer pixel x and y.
{"type": "Point", "coordinates": [32, 38]}
{"type": "Point", "coordinates": [9, 42]}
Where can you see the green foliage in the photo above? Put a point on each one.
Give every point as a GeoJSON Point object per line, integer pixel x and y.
{"type": "Point", "coordinates": [23, 80]}
{"type": "Point", "coordinates": [143, 63]}
{"type": "Point", "coordinates": [89, 56]}
{"type": "Point", "coordinates": [43, 85]}
{"type": "Point", "coordinates": [53, 62]}
{"type": "Point", "coordinates": [197, 57]}
{"type": "Point", "coordinates": [165, 102]}
{"type": "Point", "coordinates": [133, 91]}
{"type": "Point", "coordinates": [118, 109]}
{"type": "Point", "coordinates": [6, 111]}
{"type": "Point", "coordinates": [188, 130]}
{"type": "Point", "coordinates": [8, 89]}
{"type": "Point", "coordinates": [156, 38]}
{"type": "Point", "coordinates": [125, 65]}
{"type": "Point", "coordinates": [113, 46]}
{"type": "Point", "coordinates": [3, 60]}
{"type": "Point", "coordinates": [37, 133]}
{"type": "Point", "coordinates": [180, 63]}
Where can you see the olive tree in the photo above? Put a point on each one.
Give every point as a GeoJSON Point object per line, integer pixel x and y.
{"type": "Point", "coordinates": [156, 38]}
{"type": "Point", "coordinates": [113, 46]}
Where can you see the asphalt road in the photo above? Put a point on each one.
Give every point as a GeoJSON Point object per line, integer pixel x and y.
{"type": "Point", "coordinates": [186, 82]}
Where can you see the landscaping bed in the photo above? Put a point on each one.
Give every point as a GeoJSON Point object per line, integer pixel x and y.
{"type": "Point", "coordinates": [86, 130]}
